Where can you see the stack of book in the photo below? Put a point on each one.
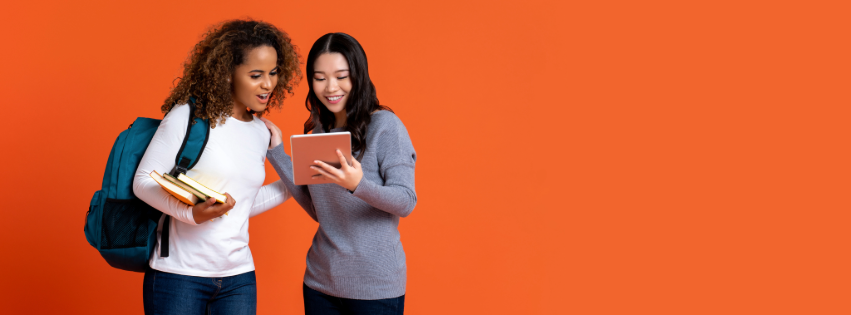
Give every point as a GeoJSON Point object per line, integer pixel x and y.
{"type": "Point", "coordinates": [186, 189]}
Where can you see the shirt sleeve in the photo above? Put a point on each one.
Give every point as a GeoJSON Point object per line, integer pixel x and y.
{"type": "Point", "coordinates": [396, 160]}
{"type": "Point", "coordinates": [160, 157]}
{"type": "Point", "coordinates": [283, 165]}
{"type": "Point", "coordinates": [268, 197]}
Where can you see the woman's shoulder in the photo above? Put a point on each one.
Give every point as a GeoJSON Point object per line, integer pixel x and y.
{"type": "Point", "coordinates": [259, 125]}
{"type": "Point", "coordinates": [385, 123]}
{"type": "Point", "coordinates": [385, 119]}
{"type": "Point", "coordinates": [181, 110]}
{"type": "Point", "coordinates": [178, 115]}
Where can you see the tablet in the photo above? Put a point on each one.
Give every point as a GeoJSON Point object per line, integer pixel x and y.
{"type": "Point", "coordinates": [307, 148]}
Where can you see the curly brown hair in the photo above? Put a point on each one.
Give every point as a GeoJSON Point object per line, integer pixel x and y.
{"type": "Point", "coordinates": [213, 60]}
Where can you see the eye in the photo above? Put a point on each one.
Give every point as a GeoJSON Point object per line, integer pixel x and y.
{"type": "Point", "coordinates": [273, 73]}
{"type": "Point", "coordinates": [319, 79]}
{"type": "Point", "coordinates": [343, 77]}
{"type": "Point", "coordinates": [255, 76]}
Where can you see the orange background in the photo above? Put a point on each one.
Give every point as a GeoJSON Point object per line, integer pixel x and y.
{"type": "Point", "coordinates": [590, 157]}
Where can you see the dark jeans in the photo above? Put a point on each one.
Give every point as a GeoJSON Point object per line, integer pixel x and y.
{"type": "Point", "coordinates": [318, 303]}
{"type": "Point", "coordinates": [167, 293]}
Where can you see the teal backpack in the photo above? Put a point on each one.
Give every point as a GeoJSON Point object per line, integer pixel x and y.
{"type": "Point", "coordinates": [119, 225]}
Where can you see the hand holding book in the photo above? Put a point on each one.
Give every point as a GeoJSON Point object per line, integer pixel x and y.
{"type": "Point", "coordinates": [210, 209]}
{"type": "Point", "coordinates": [206, 203]}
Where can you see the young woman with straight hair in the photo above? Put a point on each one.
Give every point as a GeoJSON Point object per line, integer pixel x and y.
{"type": "Point", "coordinates": [239, 68]}
{"type": "Point", "coordinates": [356, 264]}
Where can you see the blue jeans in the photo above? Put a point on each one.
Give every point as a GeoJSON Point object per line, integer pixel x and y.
{"type": "Point", "coordinates": [167, 293]}
{"type": "Point", "coordinates": [318, 303]}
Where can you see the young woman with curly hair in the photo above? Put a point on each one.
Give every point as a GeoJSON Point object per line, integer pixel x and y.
{"type": "Point", "coordinates": [239, 68]}
{"type": "Point", "coordinates": [356, 264]}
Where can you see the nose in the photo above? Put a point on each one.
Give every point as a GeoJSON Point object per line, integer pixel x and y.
{"type": "Point", "coordinates": [266, 83]}
{"type": "Point", "coordinates": [332, 86]}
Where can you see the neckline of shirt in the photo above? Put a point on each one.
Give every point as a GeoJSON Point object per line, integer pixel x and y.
{"type": "Point", "coordinates": [243, 122]}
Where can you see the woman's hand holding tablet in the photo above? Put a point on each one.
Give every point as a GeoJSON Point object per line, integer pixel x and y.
{"type": "Point", "coordinates": [346, 176]}
{"type": "Point", "coordinates": [309, 151]}
{"type": "Point", "coordinates": [306, 149]}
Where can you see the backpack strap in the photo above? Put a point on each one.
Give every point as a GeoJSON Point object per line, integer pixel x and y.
{"type": "Point", "coordinates": [164, 238]}
{"type": "Point", "coordinates": [197, 134]}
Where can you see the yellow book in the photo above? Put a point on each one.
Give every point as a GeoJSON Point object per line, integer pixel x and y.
{"type": "Point", "coordinates": [220, 198]}
{"type": "Point", "coordinates": [200, 195]}
{"type": "Point", "coordinates": [179, 193]}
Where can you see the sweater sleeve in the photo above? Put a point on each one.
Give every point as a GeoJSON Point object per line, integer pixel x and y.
{"type": "Point", "coordinates": [160, 157]}
{"type": "Point", "coordinates": [396, 161]}
{"type": "Point", "coordinates": [268, 197]}
{"type": "Point", "coordinates": [283, 165]}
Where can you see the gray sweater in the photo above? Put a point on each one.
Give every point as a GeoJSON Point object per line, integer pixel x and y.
{"type": "Point", "coordinates": [356, 252]}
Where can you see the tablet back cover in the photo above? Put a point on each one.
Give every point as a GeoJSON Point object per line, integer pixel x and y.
{"type": "Point", "coordinates": [307, 148]}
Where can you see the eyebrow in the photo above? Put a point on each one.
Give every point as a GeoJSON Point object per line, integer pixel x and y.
{"type": "Point", "coordinates": [261, 71]}
{"type": "Point", "coordinates": [341, 70]}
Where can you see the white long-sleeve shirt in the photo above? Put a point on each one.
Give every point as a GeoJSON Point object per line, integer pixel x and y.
{"type": "Point", "coordinates": [232, 162]}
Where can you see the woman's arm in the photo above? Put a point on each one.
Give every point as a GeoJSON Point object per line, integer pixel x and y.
{"type": "Point", "coordinates": [268, 197]}
{"type": "Point", "coordinates": [396, 160]}
{"type": "Point", "coordinates": [283, 165]}
{"type": "Point", "coordinates": [160, 157]}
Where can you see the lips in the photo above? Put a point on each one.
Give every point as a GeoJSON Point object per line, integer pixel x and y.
{"type": "Point", "coordinates": [264, 97]}
{"type": "Point", "coordinates": [334, 99]}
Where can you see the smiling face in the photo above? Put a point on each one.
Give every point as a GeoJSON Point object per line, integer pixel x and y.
{"type": "Point", "coordinates": [254, 80]}
{"type": "Point", "coordinates": [331, 83]}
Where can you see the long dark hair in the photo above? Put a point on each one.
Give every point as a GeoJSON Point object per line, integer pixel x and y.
{"type": "Point", "coordinates": [362, 100]}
